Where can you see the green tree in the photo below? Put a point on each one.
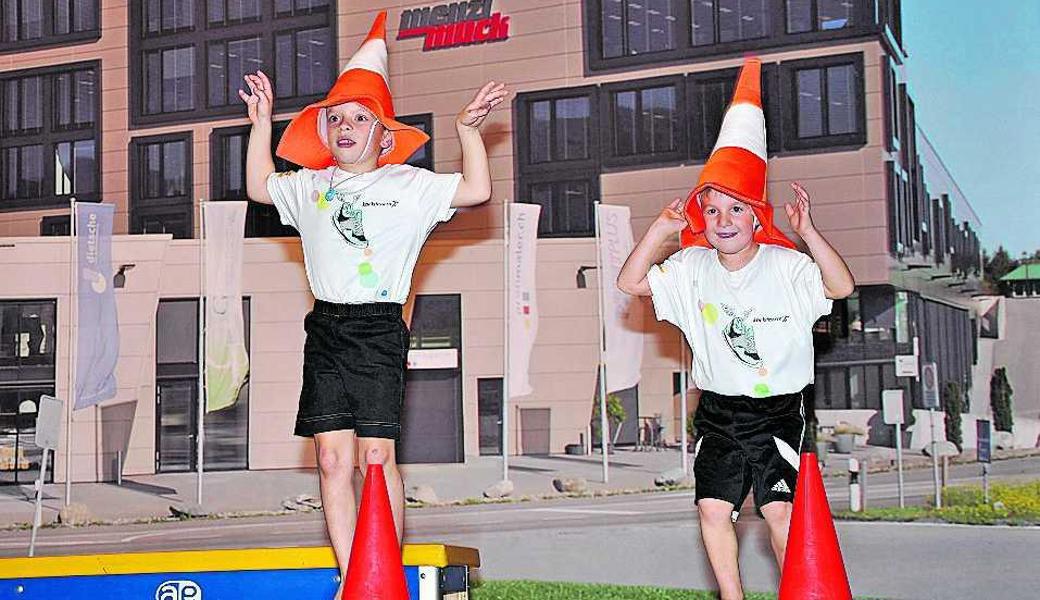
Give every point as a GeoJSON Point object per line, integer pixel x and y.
{"type": "Point", "coordinates": [953, 404]}
{"type": "Point", "coordinates": [997, 266]}
{"type": "Point", "coordinates": [1000, 393]}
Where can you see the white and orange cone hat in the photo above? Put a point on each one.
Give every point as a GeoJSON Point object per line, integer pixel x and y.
{"type": "Point", "coordinates": [365, 80]}
{"type": "Point", "coordinates": [737, 166]}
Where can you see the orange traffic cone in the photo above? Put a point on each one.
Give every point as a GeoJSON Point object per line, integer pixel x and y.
{"type": "Point", "coordinates": [375, 571]}
{"type": "Point", "coordinates": [813, 568]}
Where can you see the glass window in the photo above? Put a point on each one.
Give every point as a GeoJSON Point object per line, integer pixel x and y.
{"type": "Point", "coordinates": [560, 129]}
{"type": "Point", "coordinates": [820, 15]}
{"type": "Point", "coordinates": [836, 388]}
{"type": "Point", "coordinates": [198, 68]}
{"type": "Point", "coordinates": [632, 27]}
{"type": "Point", "coordinates": [723, 21]}
{"type": "Point", "coordinates": [644, 121]}
{"type": "Point", "coordinates": [160, 193]}
{"type": "Point", "coordinates": [827, 94]}
{"type": "Point", "coordinates": [567, 208]}
{"type": "Point", "coordinates": [857, 388]}
{"type": "Point", "coordinates": [36, 23]}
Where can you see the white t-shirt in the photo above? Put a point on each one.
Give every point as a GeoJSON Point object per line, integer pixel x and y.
{"type": "Point", "coordinates": [362, 240]}
{"type": "Point", "coordinates": [750, 330]}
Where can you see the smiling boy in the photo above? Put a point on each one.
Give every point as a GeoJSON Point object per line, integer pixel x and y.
{"type": "Point", "coordinates": [746, 302]}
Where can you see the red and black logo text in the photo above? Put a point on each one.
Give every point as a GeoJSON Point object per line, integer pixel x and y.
{"type": "Point", "coordinates": [455, 24]}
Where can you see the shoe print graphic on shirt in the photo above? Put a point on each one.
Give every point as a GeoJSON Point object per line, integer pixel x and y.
{"type": "Point", "coordinates": [740, 337]}
{"type": "Point", "coordinates": [349, 222]}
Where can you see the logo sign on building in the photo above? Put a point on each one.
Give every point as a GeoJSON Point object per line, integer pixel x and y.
{"type": "Point", "coordinates": [984, 442]}
{"type": "Point", "coordinates": [453, 25]}
{"type": "Point", "coordinates": [441, 358]}
{"type": "Point", "coordinates": [178, 590]}
{"type": "Point", "coordinates": [930, 385]}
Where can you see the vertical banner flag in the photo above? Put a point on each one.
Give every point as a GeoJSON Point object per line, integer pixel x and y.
{"type": "Point", "coordinates": [523, 306]}
{"type": "Point", "coordinates": [225, 349]}
{"type": "Point", "coordinates": [97, 330]}
{"type": "Point", "coordinates": [622, 315]}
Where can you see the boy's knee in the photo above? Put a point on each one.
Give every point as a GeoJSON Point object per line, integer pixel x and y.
{"type": "Point", "coordinates": [715, 513]}
{"type": "Point", "coordinates": [334, 462]}
{"type": "Point", "coordinates": [377, 453]}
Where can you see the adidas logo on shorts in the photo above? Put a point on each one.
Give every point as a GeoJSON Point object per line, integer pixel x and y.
{"type": "Point", "coordinates": [782, 487]}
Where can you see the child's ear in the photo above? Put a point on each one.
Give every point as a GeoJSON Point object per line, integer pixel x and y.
{"type": "Point", "coordinates": [387, 142]}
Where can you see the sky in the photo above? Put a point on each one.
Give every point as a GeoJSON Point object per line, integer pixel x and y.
{"type": "Point", "coordinates": [974, 73]}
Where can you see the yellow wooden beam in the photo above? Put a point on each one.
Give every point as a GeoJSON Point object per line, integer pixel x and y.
{"type": "Point", "coordinates": [196, 561]}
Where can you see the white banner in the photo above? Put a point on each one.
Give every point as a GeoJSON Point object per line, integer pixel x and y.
{"type": "Point", "coordinates": [226, 361]}
{"type": "Point", "coordinates": [523, 305]}
{"type": "Point", "coordinates": [622, 314]}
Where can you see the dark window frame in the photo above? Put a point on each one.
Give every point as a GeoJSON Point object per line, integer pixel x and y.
{"type": "Point", "coordinates": [262, 220]}
{"type": "Point", "coordinates": [591, 178]}
{"type": "Point", "coordinates": [182, 206]}
{"type": "Point", "coordinates": [865, 27]}
{"type": "Point", "coordinates": [55, 225]}
{"type": "Point", "coordinates": [814, 17]}
{"type": "Point", "coordinates": [789, 91]}
{"type": "Point", "coordinates": [424, 122]}
{"type": "Point", "coordinates": [199, 37]}
{"type": "Point", "coordinates": [607, 94]}
{"type": "Point", "coordinates": [50, 39]}
{"type": "Point", "coordinates": [49, 135]}
{"type": "Point", "coordinates": [588, 169]}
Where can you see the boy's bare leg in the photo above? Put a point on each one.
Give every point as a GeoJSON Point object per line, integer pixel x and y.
{"type": "Point", "coordinates": [381, 451]}
{"type": "Point", "coordinates": [335, 452]}
{"type": "Point", "coordinates": [720, 541]}
{"type": "Point", "coordinates": [778, 518]}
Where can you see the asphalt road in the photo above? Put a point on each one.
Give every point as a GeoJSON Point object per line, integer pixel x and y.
{"type": "Point", "coordinates": [644, 539]}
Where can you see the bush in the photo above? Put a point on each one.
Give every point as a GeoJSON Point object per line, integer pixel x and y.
{"type": "Point", "coordinates": [953, 404]}
{"type": "Point", "coordinates": [1000, 393]}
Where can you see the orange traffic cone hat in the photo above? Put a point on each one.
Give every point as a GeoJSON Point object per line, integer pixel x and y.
{"type": "Point", "coordinates": [365, 80]}
{"type": "Point", "coordinates": [375, 571]}
{"type": "Point", "coordinates": [737, 165]}
{"type": "Point", "coordinates": [813, 568]}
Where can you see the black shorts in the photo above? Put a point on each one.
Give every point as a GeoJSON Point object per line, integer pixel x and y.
{"type": "Point", "coordinates": [748, 444]}
{"type": "Point", "coordinates": [353, 370]}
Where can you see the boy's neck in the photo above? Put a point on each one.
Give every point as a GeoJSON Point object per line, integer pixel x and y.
{"type": "Point", "coordinates": [358, 168]}
{"type": "Point", "coordinates": [738, 260]}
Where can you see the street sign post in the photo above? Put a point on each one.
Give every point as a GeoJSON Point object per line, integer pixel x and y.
{"type": "Point", "coordinates": [48, 430]}
{"type": "Point", "coordinates": [983, 451]}
{"type": "Point", "coordinates": [930, 400]}
{"type": "Point", "coordinates": [892, 410]}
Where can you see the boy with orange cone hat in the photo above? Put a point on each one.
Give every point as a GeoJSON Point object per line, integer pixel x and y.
{"type": "Point", "coordinates": [746, 301]}
{"type": "Point", "coordinates": [363, 217]}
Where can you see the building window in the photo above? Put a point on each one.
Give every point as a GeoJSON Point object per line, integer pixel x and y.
{"type": "Point", "coordinates": [709, 94]}
{"type": "Point", "coordinates": [423, 157]}
{"type": "Point", "coordinates": [160, 195]}
{"type": "Point", "coordinates": [192, 54]}
{"type": "Point", "coordinates": [632, 27]}
{"type": "Point", "coordinates": [50, 112]}
{"type": "Point", "coordinates": [559, 158]}
{"type": "Point", "coordinates": [228, 61]}
{"type": "Point", "coordinates": [827, 97]}
{"type": "Point", "coordinates": [724, 21]}
{"type": "Point", "coordinates": [819, 15]}
{"type": "Point", "coordinates": [39, 23]}
{"type": "Point", "coordinates": [644, 122]}
{"type": "Point", "coordinates": [55, 225]}
{"type": "Point", "coordinates": [228, 177]}
{"type": "Point", "coordinates": [568, 206]}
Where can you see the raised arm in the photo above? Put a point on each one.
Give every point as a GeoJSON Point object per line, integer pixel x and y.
{"type": "Point", "coordinates": [632, 277]}
{"type": "Point", "coordinates": [259, 163]}
{"type": "Point", "coordinates": [475, 187]}
{"type": "Point", "coordinates": [837, 279]}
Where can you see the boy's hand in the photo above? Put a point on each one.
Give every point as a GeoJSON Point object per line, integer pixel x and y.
{"type": "Point", "coordinates": [671, 220]}
{"type": "Point", "coordinates": [798, 212]}
{"type": "Point", "coordinates": [489, 96]}
{"type": "Point", "coordinates": [260, 100]}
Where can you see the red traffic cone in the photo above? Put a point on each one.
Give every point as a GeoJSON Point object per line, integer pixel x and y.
{"type": "Point", "coordinates": [375, 571]}
{"type": "Point", "coordinates": [813, 568]}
